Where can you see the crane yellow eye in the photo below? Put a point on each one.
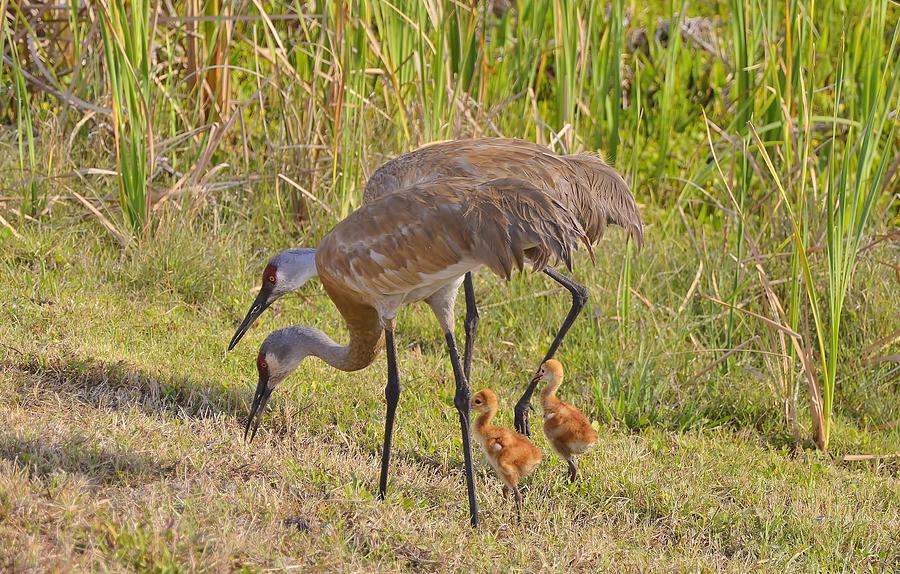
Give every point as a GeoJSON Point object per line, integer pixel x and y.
{"type": "Point", "coordinates": [269, 273]}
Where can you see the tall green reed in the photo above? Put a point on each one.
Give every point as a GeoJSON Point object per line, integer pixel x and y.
{"type": "Point", "coordinates": [744, 98]}
{"type": "Point", "coordinates": [626, 277]}
{"type": "Point", "coordinates": [669, 99]}
{"type": "Point", "coordinates": [32, 201]}
{"type": "Point", "coordinates": [852, 187]}
{"type": "Point", "coordinates": [603, 91]}
{"type": "Point", "coordinates": [567, 39]}
{"type": "Point", "coordinates": [353, 45]}
{"type": "Point", "coordinates": [32, 198]}
{"type": "Point", "coordinates": [126, 43]}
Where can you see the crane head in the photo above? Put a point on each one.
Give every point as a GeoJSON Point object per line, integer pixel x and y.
{"type": "Point", "coordinates": [278, 357]}
{"type": "Point", "coordinates": [284, 273]}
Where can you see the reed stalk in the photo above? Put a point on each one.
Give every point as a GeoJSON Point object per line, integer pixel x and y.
{"type": "Point", "coordinates": [126, 31]}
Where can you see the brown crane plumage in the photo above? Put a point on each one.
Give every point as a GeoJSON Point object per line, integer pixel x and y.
{"type": "Point", "coordinates": [416, 246]}
{"type": "Point", "coordinates": [584, 184]}
{"type": "Point", "coordinates": [434, 227]}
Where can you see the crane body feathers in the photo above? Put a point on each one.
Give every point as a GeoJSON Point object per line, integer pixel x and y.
{"type": "Point", "coordinates": [404, 247]}
{"type": "Point", "coordinates": [584, 184]}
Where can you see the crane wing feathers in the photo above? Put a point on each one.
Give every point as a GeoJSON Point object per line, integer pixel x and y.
{"type": "Point", "coordinates": [436, 231]}
{"type": "Point", "coordinates": [600, 195]}
{"type": "Point", "coordinates": [585, 184]}
{"type": "Point", "coordinates": [510, 220]}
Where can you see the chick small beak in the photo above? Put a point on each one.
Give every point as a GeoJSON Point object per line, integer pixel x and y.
{"type": "Point", "coordinates": [263, 392]}
{"type": "Point", "coordinates": [536, 378]}
{"type": "Point", "coordinates": [260, 304]}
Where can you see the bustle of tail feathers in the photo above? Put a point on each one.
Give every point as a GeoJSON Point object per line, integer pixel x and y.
{"type": "Point", "coordinates": [603, 197]}
{"type": "Point", "coordinates": [593, 190]}
{"type": "Point", "coordinates": [506, 214]}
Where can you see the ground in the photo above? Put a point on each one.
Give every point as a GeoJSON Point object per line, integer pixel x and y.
{"type": "Point", "coordinates": [122, 446]}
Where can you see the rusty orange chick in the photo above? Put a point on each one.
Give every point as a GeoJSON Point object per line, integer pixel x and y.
{"type": "Point", "coordinates": [568, 431]}
{"type": "Point", "coordinates": [511, 454]}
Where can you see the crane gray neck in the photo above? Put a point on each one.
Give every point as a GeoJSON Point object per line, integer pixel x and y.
{"type": "Point", "coordinates": [286, 348]}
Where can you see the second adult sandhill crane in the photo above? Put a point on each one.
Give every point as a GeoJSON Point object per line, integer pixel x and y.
{"type": "Point", "coordinates": [417, 246]}
{"type": "Point", "coordinates": [584, 184]}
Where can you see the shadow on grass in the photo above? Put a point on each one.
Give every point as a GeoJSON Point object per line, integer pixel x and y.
{"type": "Point", "coordinates": [43, 458]}
{"type": "Point", "coordinates": [108, 385]}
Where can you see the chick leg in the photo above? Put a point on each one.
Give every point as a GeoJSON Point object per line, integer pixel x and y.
{"type": "Point", "coordinates": [573, 470]}
{"type": "Point", "coordinates": [518, 497]}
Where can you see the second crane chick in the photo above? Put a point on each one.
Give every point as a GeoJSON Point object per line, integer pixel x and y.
{"type": "Point", "coordinates": [568, 431]}
{"type": "Point", "coordinates": [511, 454]}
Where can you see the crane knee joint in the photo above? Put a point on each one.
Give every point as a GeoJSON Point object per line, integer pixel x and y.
{"type": "Point", "coordinates": [392, 392]}
{"type": "Point", "coordinates": [580, 296]}
{"type": "Point", "coordinates": [461, 400]}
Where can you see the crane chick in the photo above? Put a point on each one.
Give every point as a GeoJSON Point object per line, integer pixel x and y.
{"type": "Point", "coordinates": [511, 454]}
{"type": "Point", "coordinates": [568, 431]}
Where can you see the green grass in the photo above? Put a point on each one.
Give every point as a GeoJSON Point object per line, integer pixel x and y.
{"type": "Point", "coordinates": [123, 447]}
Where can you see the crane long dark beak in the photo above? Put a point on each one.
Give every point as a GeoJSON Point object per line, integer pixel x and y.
{"type": "Point", "coordinates": [260, 304]}
{"type": "Point", "coordinates": [263, 392]}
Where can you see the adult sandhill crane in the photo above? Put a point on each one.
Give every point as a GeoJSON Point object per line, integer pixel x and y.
{"type": "Point", "coordinates": [416, 246]}
{"type": "Point", "coordinates": [592, 190]}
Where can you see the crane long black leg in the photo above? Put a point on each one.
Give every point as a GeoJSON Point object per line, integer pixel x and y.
{"type": "Point", "coordinates": [579, 298]}
{"type": "Point", "coordinates": [461, 400]}
{"type": "Point", "coordinates": [392, 395]}
{"type": "Point", "coordinates": [470, 324]}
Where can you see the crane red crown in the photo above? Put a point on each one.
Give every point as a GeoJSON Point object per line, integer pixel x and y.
{"type": "Point", "coordinates": [269, 274]}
